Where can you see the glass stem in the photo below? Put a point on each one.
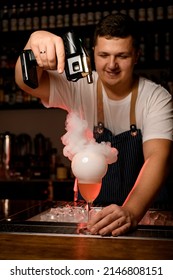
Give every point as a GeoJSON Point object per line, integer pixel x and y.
{"type": "Point", "coordinates": [88, 210]}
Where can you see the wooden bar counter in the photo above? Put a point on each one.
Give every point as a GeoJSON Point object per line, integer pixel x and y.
{"type": "Point", "coordinates": [47, 244]}
{"type": "Point", "coordinates": [22, 247]}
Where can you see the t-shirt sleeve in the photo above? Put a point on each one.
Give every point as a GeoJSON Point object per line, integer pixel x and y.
{"type": "Point", "coordinates": [158, 122]}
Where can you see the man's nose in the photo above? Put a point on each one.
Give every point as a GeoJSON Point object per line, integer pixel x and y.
{"type": "Point", "coordinates": [113, 64]}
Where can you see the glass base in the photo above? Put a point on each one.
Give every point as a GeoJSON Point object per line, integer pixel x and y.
{"type": "Point", "coordinates": [82, 229]}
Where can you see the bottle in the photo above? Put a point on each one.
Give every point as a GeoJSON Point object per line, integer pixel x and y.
{"type": "Point", "coordinates": [59, 17]}
{"type": "Point", "coordinates": [67, 20]}
{"type": "Point", "coordinates": [28, 19]}
{"type": "Point", "coordinates": [19, 96]}
{"type": "Point", "coordinates": [7, 89]}
{"type": "Point", "coordinates": [156, 48]}
{"type": "Point", "coordinates": [90, 13]}
{"type": "Point", "coordinates": [5, 19]}
{"type": "Point", "coordinates": [12, 93]}
{"type": "Point", "coordinates": [170, 10]}
{"type": "Point", "coordinates": [142, 58]}
{"type": "Point", "coordinates": [52, 16]}
{"type": "Point", "coordinates": [97, 14]}
{"type": "Point", "coordinates": [142, 11]}
{"type": "Point", "coordinates": [159, 12]}
{"type": "Point", "coordinates": [13, 18]}
{"type": "Point", "coordinates": [61, 172]}
{"type": "Point", "coordinates": [53, 163]}
{"type": "Point", "coordinates": [167, 47]}
{"type": "Point", "coordinates": [132, 9]}
{"type": "Point", "coordinates": [123, 7]}
{"type": "Point", "coordinates": [106, 8]}
{"type": "Point", "coordinates": [75, 14]}
{"type": "Point", "coordinates": [21, 17]}
{"type": "Point", "coordinates": [150, 11]}
{"type": "Point", "coordinates": [36, 19]}
{"type": "Point", "coordinates": [83, 20]}
{"type": "Point", "coordinates": [44, 17]}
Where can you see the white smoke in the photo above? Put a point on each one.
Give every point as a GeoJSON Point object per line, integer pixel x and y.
{"type": "Point", "coordinates": [79, 138]}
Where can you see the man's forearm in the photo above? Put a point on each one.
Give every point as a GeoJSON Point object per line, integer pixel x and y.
{"type": "Point", "coordinates": [147, 186]}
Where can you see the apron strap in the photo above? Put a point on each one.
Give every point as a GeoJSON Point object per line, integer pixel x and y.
{"type": "Point", "coordinates": [100, 112]}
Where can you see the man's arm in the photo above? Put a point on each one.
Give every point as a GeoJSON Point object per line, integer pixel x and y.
{"type": "Point", "coordinates": [117, 220]}
{"type": "Point", "coordinates": [157, 155]}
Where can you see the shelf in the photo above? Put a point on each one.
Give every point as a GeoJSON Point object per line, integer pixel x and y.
{"type": "Point", "coordinates": [155, 32]}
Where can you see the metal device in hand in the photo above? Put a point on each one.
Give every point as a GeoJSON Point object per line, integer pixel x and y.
{"type": "Point", "coordinates": [29, 72]}
{"type": "Point", "coordinates": [77, 62]}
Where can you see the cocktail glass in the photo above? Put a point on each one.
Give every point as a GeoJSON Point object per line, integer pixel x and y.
{"type": "Point", "coordinates": [89, 168]}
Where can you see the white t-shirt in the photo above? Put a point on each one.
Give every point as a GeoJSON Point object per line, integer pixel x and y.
{"type": "Point", "coordinates": [154, 115]}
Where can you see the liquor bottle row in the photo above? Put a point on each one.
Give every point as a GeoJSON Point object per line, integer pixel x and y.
{"type": "Point", "coordinates": [23, 15]}
{"type": "Point", "coordinates": [156, 52]}
{"type": "Point", "coordinates": [156, 47]}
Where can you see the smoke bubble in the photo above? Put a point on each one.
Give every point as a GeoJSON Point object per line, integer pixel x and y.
{"type": "Point", "coordinates": [80, 138]}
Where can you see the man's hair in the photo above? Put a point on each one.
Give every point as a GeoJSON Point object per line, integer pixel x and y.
{"type": "Point", "coordinates": [117, 25]}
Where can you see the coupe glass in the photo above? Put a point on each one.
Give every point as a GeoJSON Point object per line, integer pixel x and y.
{"type": "Point", "coordinates": [89, 168]}
{"type": "Point", "coordinates": [89, 192]}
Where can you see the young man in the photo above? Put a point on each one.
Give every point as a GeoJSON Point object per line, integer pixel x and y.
{"type": "Point", "coordinates": [136, 114]}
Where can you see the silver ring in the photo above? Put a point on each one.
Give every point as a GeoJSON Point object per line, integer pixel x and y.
{"type": "Point", "coordinates": [42, 52]}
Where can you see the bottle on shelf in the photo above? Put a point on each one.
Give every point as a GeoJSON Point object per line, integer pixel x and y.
{"type": "Point", "coordinates": [83, 13]}
{"type": "Point", "coordinates": [90, 13]}
{"type": "Point", "coordinates": [132, 9]}
{"type": "Point", "coordinates": [52, 16]}
{"type": "Point", "coordinates": [156, 48]}
{"type": "Point", "coordinates": [167, 47]}
{"type": "Point", "coordinates": [141, 11]}
{"type": "Point", "coordinates": [53, 163]}
{"type": "Point", "coordinates": [67, 20]}
{"type": "Point", "coordinates": [124, 7]}
{"type": "Point", "coordinates": [59, 15]}
{"type": "Point", "coordinates": [106, 8]}
{"type": "Point", "coordinates": [75, 14]}
{"type": "Point", "coordinates": [97, 13]}
{"type": "Point", "coordinates": [150, 14]}
{"type": "Point", "coordinates": [142, 58]}
{"type": "Point", "coordinates": [13, 18]}
{"type": "Point", "coordinates": [28, 17]}
{"type": "Point", "coordinates": [5, 19]}
{"type": "Point", "coordinates": [21, 17]}
{"type": "Point", "coordinates": [36, 17]}
{"type": "Point", "coordinates": [44, 16]}
{"type": "Point", "coordinates": [170, 10]}
{"type": "Point", "coordinates": [61, 172]}
{"type": "Point", "coordinates": [160, 12]}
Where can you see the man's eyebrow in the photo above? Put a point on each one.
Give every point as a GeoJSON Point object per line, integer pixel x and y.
{"type": "Point", "coordinates": [119, 53]}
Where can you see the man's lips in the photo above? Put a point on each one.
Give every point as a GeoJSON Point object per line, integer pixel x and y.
{"type": "Point", "coordinates": [112, 73]}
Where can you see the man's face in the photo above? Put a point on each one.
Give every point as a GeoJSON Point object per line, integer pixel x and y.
{"type": "Point", "coordinates": [114, 59]}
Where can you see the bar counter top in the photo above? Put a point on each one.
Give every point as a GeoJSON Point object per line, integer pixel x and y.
{"type": "Point", "coordinates": [22, 237]}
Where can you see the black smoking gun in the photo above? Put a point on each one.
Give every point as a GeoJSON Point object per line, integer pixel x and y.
{"type": "Point", "coordinates": [77, 62]}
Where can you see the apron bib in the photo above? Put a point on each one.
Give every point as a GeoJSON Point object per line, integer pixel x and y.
{"type": "Point", "coordinates": [122, 174]}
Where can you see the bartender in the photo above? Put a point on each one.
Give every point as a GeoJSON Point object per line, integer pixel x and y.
{"type": "Point", "coordinates": [133, 113]}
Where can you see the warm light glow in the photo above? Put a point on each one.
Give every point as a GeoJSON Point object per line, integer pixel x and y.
{"type": "Point", "coordinates": [85, 159]}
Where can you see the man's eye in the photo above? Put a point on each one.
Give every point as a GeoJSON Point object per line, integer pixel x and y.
{"type": "Point", "coordinates": [123, 56]}
{"type": "Point", "coordinates": [103, 55]}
